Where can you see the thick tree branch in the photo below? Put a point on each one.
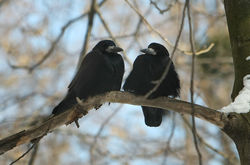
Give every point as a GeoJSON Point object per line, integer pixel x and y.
{"type": "Point", "coordinates": [238, 18]}
{"type": "Point", "coordinates": [32, 134]}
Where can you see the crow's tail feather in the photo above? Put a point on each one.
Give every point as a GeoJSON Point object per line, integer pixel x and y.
{"type": "Point", "coordinates": [65, 104]}
{"type": "Point", "coordinates": [152, 116]}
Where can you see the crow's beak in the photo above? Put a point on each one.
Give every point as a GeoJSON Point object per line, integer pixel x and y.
{"type": "Point", "coordinates": [149, 51]}
{"type": "Point", "coordinates": [114, 49]}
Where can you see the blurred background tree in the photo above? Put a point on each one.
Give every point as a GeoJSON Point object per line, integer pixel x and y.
{"type": "Point", "coordinates": [40, 45]}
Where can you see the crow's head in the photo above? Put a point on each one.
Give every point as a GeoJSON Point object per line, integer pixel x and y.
{"type": "Point", "coordinates": [107, 46]}
{"type": "Point", "coordinates": [156, 49]}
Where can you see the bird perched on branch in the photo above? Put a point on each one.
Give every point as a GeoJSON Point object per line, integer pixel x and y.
{"type": "Point", "coordinates": [100, 71]}
{"type": "Point", "coordinates": [147, 70]}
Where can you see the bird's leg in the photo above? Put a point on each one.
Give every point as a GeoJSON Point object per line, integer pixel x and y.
{"type": "Point", "coordinates": [81, 111]}
{"type": "Point", "coordinates": [98, 106]}
{"type": "Point", "coordinates": [77, 124]}
{"type": "Point", "coordinates": [78, 112]}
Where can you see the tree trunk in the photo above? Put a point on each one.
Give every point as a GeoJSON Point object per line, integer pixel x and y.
{"type": "Point", "coordinates": [238, 19]}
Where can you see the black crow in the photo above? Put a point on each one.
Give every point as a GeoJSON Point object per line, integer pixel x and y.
{"type": "Point", "coordinates": [148, 68]}
{"type": "Point", "coordinates": [100, 71]}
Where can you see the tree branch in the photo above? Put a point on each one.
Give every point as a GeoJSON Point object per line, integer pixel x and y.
{"type": "Point", "coordinates": [88, 33]}
{"type": "Point", "coordinates": [154, 30]}
{"type": "Point", "coordinates": [162, 11]}
{"type": "Point", "coordinates": [191, 40]}
{"type": "Point", "coordinates": [2, 2]}
{"type": "Point", "coordinates": [158, 82]}
{"type": "Point", "coordinates": [126, 58]}
{"type": "Point", "coordinates": [183, 107]}
{"type": "Point", "coordinates": [31, 68]}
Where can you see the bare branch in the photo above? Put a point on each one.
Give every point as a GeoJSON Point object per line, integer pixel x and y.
{"type": "Point", "coordinates": [33, 145]}
{"type": "Point", "coordinates": [169, 139]}
{"type": "Point", "coordinates": [151, 29]}
{"type": "Point", "coordinates": [69, 116]}
{"type": "Point", "coordinates": [158, 82]}
{"type": "Point", "coordinates": [226, 156]}
{"type": "Point", "coordinates": [34, 154]}
{"type": "Point", "coordinates": [111, 35]}
{"type": "Point", "coordinates": [2, 2]}
{"type": "Point", "coordinates": [53, 45]}
{"type": "Point", "coordinates": [202, 51]}
{"type": "Point", "coordinates": [162, 11]}
{"type": "Point", "coordinates": [192, 82]}
{"type": "Point", "coordinates": [93, 145]}
{"type": "Point", "coordinates": [88, 32]}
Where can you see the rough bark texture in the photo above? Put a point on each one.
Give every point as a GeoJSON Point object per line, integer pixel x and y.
{"type": "Point", "coordinates": [238, 18]}
{"type": "Point", "coordinates": [79, 110]}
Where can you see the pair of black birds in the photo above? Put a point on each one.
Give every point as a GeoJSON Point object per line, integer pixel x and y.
{"type": "Point", "coordinates": [102, 71]}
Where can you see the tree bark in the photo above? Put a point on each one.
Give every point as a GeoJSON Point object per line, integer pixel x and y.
{"type": "Point", "coordinates": [69, 116]}
{"type": "Point", "coordinates": [238, 19]}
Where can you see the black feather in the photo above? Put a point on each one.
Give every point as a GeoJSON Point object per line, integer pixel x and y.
{"type": "Point", "coordinates": [147, 68]}
{"type": "Point", "coordinates": [101, 71]}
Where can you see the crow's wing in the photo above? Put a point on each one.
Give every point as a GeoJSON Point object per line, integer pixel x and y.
{"type": "Point", "coordinates": [119, 71]}
{"type": "Point", "coordinates": [139, 80]}
{"type": "Point", "coordinates": [93, 77]}
{"type": "Point", "coordinates": [86, 66]}
{"type": "Point", "coordinates": [171, 84]}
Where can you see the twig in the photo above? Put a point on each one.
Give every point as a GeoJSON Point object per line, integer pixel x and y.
{"type": "Point", "coordinates": [162, 11]}
{"type": "Point", "coordinates": [158, 82]}
{"type": "Point", "coordinates": [53, 45]}
{"type": "Point", "coordinates": [33, 145]}
{"type": "Point", "coordinates": [192, 83]}
{"type": "Point", "coordinates": [226, 156]}
{"type": "Point", "coordinates": [150, 28]}
{"type": "Point", "coordinates": [201, 51]}
{"type": "Point", "coordinates": [169, 140]}
{"type": "Point", "coordinates": [137, 30]}
{"type": "Point", "coordinates": [88, 33]}
{"type": "Point", "coordinates": [2, 2]}
{"type": "Point", "coordinates": [106, 121]}
{"type": "Point", "coordinates": [111, 34]}
{"type": "Point", "coordinates": [33, 154]}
